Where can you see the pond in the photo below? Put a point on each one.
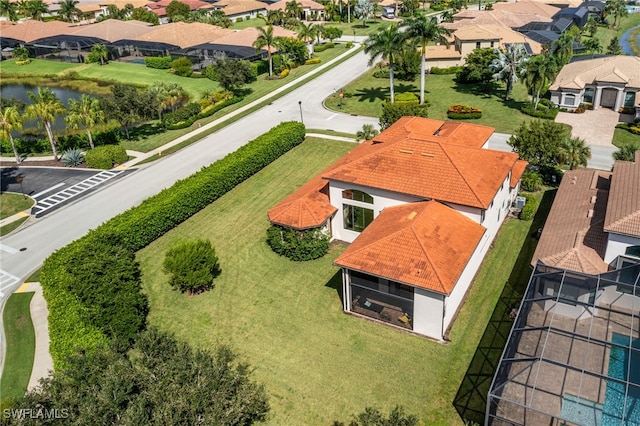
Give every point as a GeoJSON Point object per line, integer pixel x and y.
{"type": "Point", "coordinates": [626, 41]}
{"type": "Point", "coordinates": [21, 92]}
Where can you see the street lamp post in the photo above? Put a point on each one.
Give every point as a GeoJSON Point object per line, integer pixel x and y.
{"type": "Point", "coordinates": [301, 117]}
{"type": "Point", "coordinates": [19, 180]}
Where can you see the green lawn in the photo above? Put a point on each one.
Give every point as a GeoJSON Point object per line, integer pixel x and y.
{"type": "Point", "coordinates": [442, 91]}
{"type": "Point", "coordinates": [622, 137]}
{"type": "Point", "coordinates": [20, 339]}
{"type": "Point", "coordinates": [605, 34]}
{"type": "Point", "coordinates": [286, 318]}
{"type": "Point", "coordinates": [347, 29]}
{"type": "Point", "coordinates": [11, 204]}
{"type": "Point", "coordinates": [10, 227]}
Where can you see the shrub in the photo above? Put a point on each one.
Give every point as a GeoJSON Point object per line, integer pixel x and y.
{"type": "Point", "coordinates": [110, 136]}
{"type": "Point", "coordinates": [298, 245]}
{"type": "Point", "coordinates": [406, 98]}
{"type": "Point", "coordinates": [531, 181]}
{"type": "Point", "coordinates": [181, 114]}
{"type": "Point", "coordinates": [105, 157]}
{"type": "Point", "coordinates": [548, 113]}
{"type": "Point", "coordinates": [381, 73]}
{"type": "Point", "coordinates": [443, 71]}
{"type": "Point", "coordinates": [193, 265]}
{"type": "Point", "coordinates": [92, 285]}
{"type": "Point", "coordinates": [349, 45]}
{"type": "Point", "coordinates": [284, 73]}
{"type": "Point", "coordinates": [627, 110]}
{"type": "Point", "coordinates": [629, 127]}
{"type": "Point", "coordinates": [182, 67]}
{"type": "Point", "coordinates": [463, 112]}
{"type": "Point", "coordinates": [72, 157]}
{"type": "Point", "coordinates": [392, 112]}
{"type": "Point", "coordinates": [206, 112]}
{"type": "Point", "coordinates": [158, 62]}
{"type": "Point", "coordinates": [530, 208]}
{"type": "Point", "coordinates": [312, 61]}
{"type": "Point", "coordinates": [323, 47]}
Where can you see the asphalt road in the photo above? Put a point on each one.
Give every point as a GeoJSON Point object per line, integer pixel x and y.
{"type": "Point", "coordinates": [39, 181]}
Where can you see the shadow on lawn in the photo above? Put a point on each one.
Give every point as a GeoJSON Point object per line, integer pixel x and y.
{"type": "Point", "coordinates": [373, 94]}
{"type": "Point", "coordinates": [471, 400]}
{"type": "Point", "coordinates": [336, 283]}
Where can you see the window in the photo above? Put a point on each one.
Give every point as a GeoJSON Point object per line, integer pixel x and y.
{"type": "Point", "coordinates": [570, 99]}
{"type": "Point", "coordinates": [492, 43]}
{"type": "Point", "coordinates": [356, 218]}
{"type": "Point", "coordinates": [355, 195]}
{"type": "Point", "coordinates": [588, 96]}
{"type": "Point", "coordinates": [482, 215]}
{"type": "Point", "coordinates": [629, 99]}
{"type": "Point", "coordinates": [632, 251]}
{"type": "Point", "coordinates": [477, 45]}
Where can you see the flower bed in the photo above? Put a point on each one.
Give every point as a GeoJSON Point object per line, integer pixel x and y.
{"type": "Point", "coordinates": [463, 112]}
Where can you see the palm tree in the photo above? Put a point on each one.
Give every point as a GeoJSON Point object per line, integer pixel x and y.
{"type": "Point", "coordinates": [574, 153]}
{"type": "Point", "coordinates": [508, 64]}
{"type": "Point", "coordinates": [627, 152]}
{"type": "Point", "coordinates": [592, 45]}
{"type": "Point", "coordinates": [68, 10]}
{"type": "Point", "coordinates": [305, 32]}
{"type": "Point", "coordinates": [84, 113]}
{"type": "Point", "coordinates": [9, 9]}
{"type": "Point", "coordinates": [10, 119]}
{"type": "Point", "coordinates": [34, 9]}
{"type": "Point", "coordinates": [385, 44]}
{"type": "Point", "coordinates": [538, 73]}
{"type": "Point", "coordinates": [160, 94]}
{"type": "Point", "coordinates": [101, 51]}
{"type": "Point", "coordinates": [422, 30]}
{"type": "Point", "coordinates": [274, 17]}
{"type": "Point", "coordinates": [176, 95]}
{"type": "Point", "coordinates": [617, 8]}
{"type": "Point", "coordinates": [562, 48]}
{"type": "Point", "coordinates": [45, 105]}
{"type": "Point", "coordinates": [293, 9]}
{"type": "Point", "coordinates": [266, 39]}
{"type": "Point", "coordinates": [363, 10]}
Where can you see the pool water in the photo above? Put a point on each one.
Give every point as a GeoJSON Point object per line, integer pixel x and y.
{"type": "Point", "coordinates": [615, 412]}
{"type": "Point", "coordinates": [581, 411]}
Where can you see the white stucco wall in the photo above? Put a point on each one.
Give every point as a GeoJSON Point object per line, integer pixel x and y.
{"type": "Point", "coordinates": [617, 244]}
{"type": "Point", "coordinates": [427, 313]}
{"type": "Point", "coordinates": [381, 200]}
{"type": "Point", "coordinates": [610, 295]}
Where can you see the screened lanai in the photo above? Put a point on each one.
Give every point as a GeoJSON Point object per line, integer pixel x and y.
{"type": "Point", "coordinates": [70, 48]}
{"type": "Point", "coordinates": [573, 355]}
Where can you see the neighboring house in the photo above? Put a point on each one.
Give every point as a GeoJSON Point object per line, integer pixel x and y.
{"type": "Point", "coordinates": [310, 10]}
{"type": "Point", "coordinates": [609, 82]}
{"type": "Point", "coordinates": [572, 355]}
{"type": "Point", "coordinates": [577, 15]}
{"type": "Point", "coordinates": [238, 10]}
{"type": "Point", "coordinates": [473, 36]}
{"type": "Point", "coordinates": [160, 7]}
{"type": "Point", "coordinates": [421, 203]}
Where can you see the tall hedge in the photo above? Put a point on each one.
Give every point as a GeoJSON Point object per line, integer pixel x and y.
{"type": "Point", "coordinates": [93, 287]}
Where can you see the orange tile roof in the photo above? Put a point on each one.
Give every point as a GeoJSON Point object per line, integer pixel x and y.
{"type": "Point", "coordinates": [623, 210]}
{"type": "Point", "coordinates": [425, 244]}
{"type": "Point", "coordinates": [31, 30]}
{"type": "Point", "coordinates": [185, 34]}
{"type": "Point", "coordinates": [307, 207]}
{"type": "Point", "coordinates": [516, 172]}
{"type": "Point", "coordinates": [573, 236]}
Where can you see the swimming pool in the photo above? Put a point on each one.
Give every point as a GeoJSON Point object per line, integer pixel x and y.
{"type": "Point", "coordinates": [615, 411]}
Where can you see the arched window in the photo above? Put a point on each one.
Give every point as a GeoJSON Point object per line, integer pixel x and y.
{"type": "Point", "coordinates": [355, 195]}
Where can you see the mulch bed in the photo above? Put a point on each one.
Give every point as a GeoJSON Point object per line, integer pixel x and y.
{"type": "Point", "coordinates": [47, 163]}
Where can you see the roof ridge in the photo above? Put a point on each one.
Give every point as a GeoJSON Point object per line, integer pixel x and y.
{"type": "Point", "coordinates": [460, 173]}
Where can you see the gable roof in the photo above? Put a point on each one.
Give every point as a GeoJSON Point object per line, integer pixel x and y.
{"type": "Point", "coordinates": [31, 30]}
{"type": "Point", "coordinates": [528, 7]}
{"type": "Point", "coordinates": [573, 236]}
{"type": "Point", "coordinates": [114, 29]}
{"type": "Point", "coordinates": [304, 4]}
{"type": "Point", "coordinates": [616, 69]}
{"type": "Point", "coordinates": [425, 244]}
{"type": "Point", "coordinates": [432, 164]}
{"type": "Point", "coordinates": [236, 7]}
{"type": "Point", "coordinates": [184, 34]}
{"type": "Point", "coordinates": [623, 210]}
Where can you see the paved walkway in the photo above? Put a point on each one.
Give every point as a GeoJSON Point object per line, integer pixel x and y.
{"type": "Point", "coordinates": [594, 127]}
{"type": "Point", "coordinates": [42, 362]}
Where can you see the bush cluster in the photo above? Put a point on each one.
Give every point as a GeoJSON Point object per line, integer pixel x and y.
{"type": "Point", "coordinates": [284, 73]}
{"type": "Point", "coordinates": [312, 61]}
{"type": "Point", "coordinates": [629, 127]}
{"type": "Point", "coordinates": [531, 181]}
{"type": "Point", "coordinates": [298, 245]}
{"type": "Point", "coordinates": [158, 62]}
{"type": "Point", "coordinates": [181, 114]}
{"type": "Point", "coordinates": [444, 71]}
{"type": "Point", "coordinates": [206, 112]}
{"type": "Point", "coordinates": [80, 140]}
{"type": "Point", "coordinates": [541, 112]}
{"type": "Point", "coordinates": [463, 112]}
{"type": "Point", "coordinates": [530, 208]}
{"type": "Point", "coordinates": [405, 98]}
{"type": "Point", "coordinates": [192, 265]}
{"type": "Point", "coordinates": [106, 157]}
{"type": "Point", "coordinates": [92, 285]}
{"type": "Point", "coordinates": [322, 47]}
{"type": "Point", "coordinates": [381, 73]}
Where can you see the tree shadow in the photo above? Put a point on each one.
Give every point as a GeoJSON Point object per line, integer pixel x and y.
{"type": "Point", "coordinates": [381, 93]}
{"type": "Point", "coordinates": [336, 283]}
{"type": "Point", "coordinates": [471, 400]}
{"type": "Point", "coordinates": [485, 90]}
{"type": "Point", "coordinates": [7, 177]}
{"type": "Point", "coordinates": [145, 130]}
{"type": "Point", "coordinates": [242, 91]}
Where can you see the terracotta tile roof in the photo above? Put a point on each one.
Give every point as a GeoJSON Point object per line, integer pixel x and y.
{"type": "Point", "coordinates": [235, 7]}
{"type": "Point", "coordinates": [516, 172]}
{"type": "Point", "coordinates": [185, 34]}
{"type": "Point", "coordinates": [114, 29]}
{"type": "Point", "coordinates": [528, 7]}
{"type": "Point", "coordinates": [304, 4]}
{"type": "Point", "coordinates": [617, 69]}
{"type": "Point", "coordinates": [573, 236]}
{"type": "Point", "coordinates": [425, 244]}
{"type": "Point", "coordinates": [442, 52]}
{"type": "Point", "coordinates": [31, 30]}
{"type": "Point", "coordinates": [193, 4]}
{"type": "Point", "coordinates": [425, 165]}
{"type": "Point", "coordinates": [623, 211]}
{"type": "Point", "coordinates": [247, 36]}
{"type": "Point", "coordinates": [89, 8]}
{"type": "Point", "coordinates": [307, 207]}
{"type": "Point", "coordinates": [495, 17]}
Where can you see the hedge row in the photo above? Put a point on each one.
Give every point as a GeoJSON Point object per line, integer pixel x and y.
{"type": "Point", "coordinates": [530, 208]}
{"type": "Point", "coordinates": [206, 112]}
{"type": "Point", "coordinates": [445, 71]}
{"type": "Point", "coordinates": [92, 286]}
{"type": "Point", "coordinates": [322, 47]}
{"type": "Point", "coordinates": [312, 61]}
{"type": "Point", "coordinates": [546, 113]}
{"type": "Point", "coordinates": [298, 245]}
{"type": "Point", "coordinates": [162, 62]}
{"type": "Point", "coordinates": [181, 114]}
{"type": "Point", "coordinates": [106, 157]}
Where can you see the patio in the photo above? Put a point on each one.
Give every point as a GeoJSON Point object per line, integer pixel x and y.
{"type": "Point", "coordinates": [595, 127]}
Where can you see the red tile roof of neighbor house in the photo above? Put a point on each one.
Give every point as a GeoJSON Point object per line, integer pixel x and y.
{"type": "Point", "coordinates": [185, 34]}
{"type": "Point", "coordinates": [248, 36]}
{"type": "Point", "coordinates": [31, 30]}
{"type": "Point", "coordinates": [304, 4]}
{"type": "Point", "coordinates": [573, 236]}
{"type": "Point", "coordinates": [114, 29]}
{"type": "Point", "coordinates": [424, 244]}
{"type": "Point", "coordinates": [623, 210]}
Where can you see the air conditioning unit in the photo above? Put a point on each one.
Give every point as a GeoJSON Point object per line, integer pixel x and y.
{"type": "Point", "coordinates": [520, 202]}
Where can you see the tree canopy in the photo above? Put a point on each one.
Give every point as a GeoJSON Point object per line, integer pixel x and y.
{"type": "Point", "coordinates": [538, 142]}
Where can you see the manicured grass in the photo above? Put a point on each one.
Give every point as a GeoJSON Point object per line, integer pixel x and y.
{"type": "Point", "coordinates": [35, 277]}
{"type": "Point", "coordinates": [347, 29]}
{"type": "Point", "coordinates": [10, 227]}
{"type": "Point", "coordinates": [368, 93]}
{"type": "Point", "coordinates": [11, 204]}
{"type": "Point", "coordinates": [622, 137]}
{"type": "Point", "coordinates": [20, 339]}
{"type": "Point", "coordinates": [331, 133]}
{"type": "Point", "coordinates": [286, 318]}
{"type": "Point", "coordinates": [605, 34]}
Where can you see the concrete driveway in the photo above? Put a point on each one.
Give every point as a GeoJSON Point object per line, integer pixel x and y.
{"type": "Point", "coordinates": [594, 127]}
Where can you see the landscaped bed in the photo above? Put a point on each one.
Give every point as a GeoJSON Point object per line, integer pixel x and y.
{"type": "Point", "coordinates": [286, 318]}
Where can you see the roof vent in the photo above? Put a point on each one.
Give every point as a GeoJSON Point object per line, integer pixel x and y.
{"type": "Point", "coordinates": [412, 215]}
{"type": "Point", "coordinates": [406, 151]}
{"type": "Point", "coordinates": [427, 154]}
{"type": "Point", "coordinates": [593, 199]}
{"type": "Point", "coordinates": [590, 213]}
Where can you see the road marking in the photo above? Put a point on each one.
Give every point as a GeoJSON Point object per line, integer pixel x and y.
{"type": "Point", "coordinates": [122, 167]}
{"type": "Point", "coordinates": [22, 288]}
{"type": "Point", "coordinates": [334, 115]}
{"type": "Point", "coordinates": [48, 190]}
{"type": "Point", "coordinates": [7, 280]}
{"type": "Point", "coordinates": [8, 249]}
{"type": "Point", "coordinates": [23, 214]}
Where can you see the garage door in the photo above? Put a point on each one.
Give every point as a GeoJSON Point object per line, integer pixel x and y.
{"type": "Point", "coordinates": [609, 98]}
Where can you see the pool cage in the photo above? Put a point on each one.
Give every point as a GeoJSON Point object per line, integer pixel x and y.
{"type": "Point", "coordinates": [573, 354]}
